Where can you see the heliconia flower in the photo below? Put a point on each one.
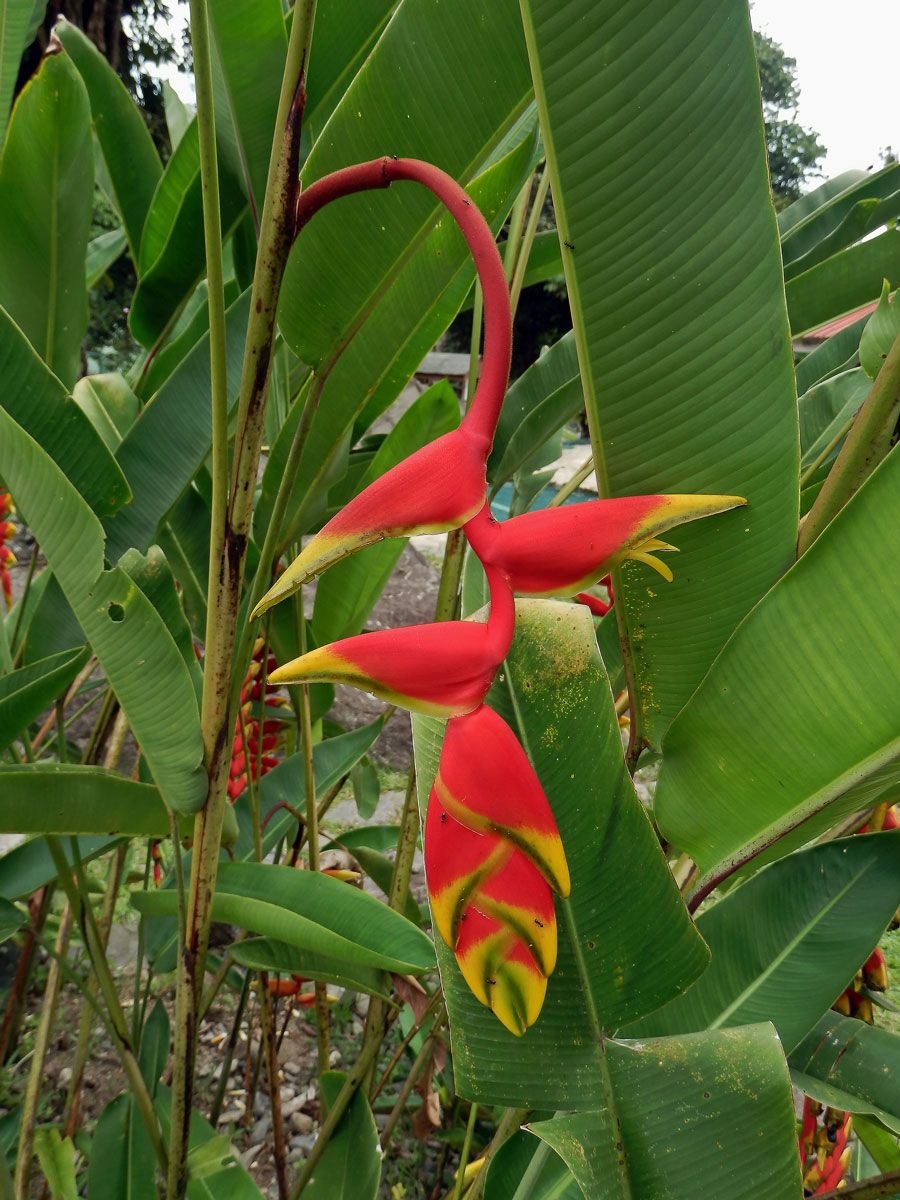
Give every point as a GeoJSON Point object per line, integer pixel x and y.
{"type": "Point", "coordinates": [441, 486]}
{"type": "Point", "coordinates": [561, 551]}
{"type": "Point", "coordinates": [442, 669]}
{"type": "Point", "coordinates": [492, 854]}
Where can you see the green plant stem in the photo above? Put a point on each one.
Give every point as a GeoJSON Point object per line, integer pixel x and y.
{"type": "Point", "coordinates": [228, 554]}
{"type": "Point", "coordinates": [73, 1097]}
{"type": "Point", "coordinates": [139, 953]}
{"type": "Point", "coordinates": [464, 1154]}
{"type": "Point", "coordinates": [41, 1045]}
{"type": "Point", "coordinates": [578, 478]}
{"type": "Point", "coordinates": [353, 1081]}
{"type": "Point", "coordinates": [820, 458]}
{"type": "Point", "coordinates": [515, 287]}
{"type": "Point", "coordinates": [511, 1120]}
{"type": "Point", "coordinates": [395, 1058]}
{"type": "Point", "coordinates": [867, 1189]}
{"type": "Point", "coordinates": [267, 1048]}
{"type": "Point", "coordinates": [15, 999]}
{"type": "Point", "coordinates": [228, 1057]}
{"type": "Point", "coordinates": [77, 893]}
{"type": "Point", "coordinates": [475, 343]}
{"type": "Point", "coordinates": [867, 444]}
{"type": "Point", "coordinates": [512, 249]}
{"type": "Point", "coordinates": [415, 1071]}
{"type": "Point", "coordinates": [451, 574]}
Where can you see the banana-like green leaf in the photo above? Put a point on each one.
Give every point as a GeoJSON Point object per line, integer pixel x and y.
{"type": "Point", "coordinates": [838, 353]}
{"type": "Point", "coordinates": [29, 866]}
{"type": "Point", "coordinates": [264, 954]}
{"type": "Point", "coordinates": [57, 1158]}
{"type": "Point", "coordinates": [541, 400]}
{"type": "Point", "coordinates": [521, 1170]}
{"type": "Point", "coordinates": [842, 220]}
{"type": "Point", "coordinates": [405, 320]}
{"type": "Point", "coordinates": [881, 1145]}
{"type": "Point", "coordinates": [880, 332]}
{"type": "Point", "coordinates": [35, 398]}
{"type": "Point", "coordinates": [842, 283]}
{"type": "Point", "coordinates": [53, 798]}
{"type": "Point", "coordinates": [178, 114]}
{"type": "Point", "coordinates": [163, 451]}
{"type": "Point", "coordinates": [617, 960]}
{"type": "Point", "coordinates": [645, 109]}
{"type": "Point", "coordinates": [122, 1159]}
{"type": "Point", "coordinates": [310, 911]}
{"type": "Point", "coordinates": [810, 203]}
{"type": "Point", "coordinates": [46, 193]}
{"type": "Point", "coordinates": [379, 868]}
{"type": "Point", "coordinates": [132, 162]}
{"type": "Point", "coordinates": [686, 1116]}
{"type": "Point", "coordinates": [252, 46]}
{"type": "Point", "coordinates": [109, 404]}
{"type": "Point", "coordinates": [822, 642]}
{"type": "Point", "coordinates": [134, 648]}
{"type": "Point", "coordinates": [102, 252]}
{"type": "Point", "coordinates": [154, 1054]}
{"type": "Point", "coordinates": [346, 594]}
{"type": "Point", "coordinates": [790, 940]}
{"type": "Point", "coordinates": [25, 693]}
{"type": "Point", "coordinates": [11, 919]}
{"type": "Point", "coordinates": [825, 413]}
{"type": "Point", "coordinates": [850, 1065]}
{"type": "Point", "coordinates": [153, 575]}
{"type": "Point", "coordinates": [350, 1168]}
{"type": "Point", "coordinates": [14, 21]}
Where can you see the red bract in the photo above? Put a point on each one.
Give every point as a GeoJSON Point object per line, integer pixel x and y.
{"type": "Point", "coordinates": [7, 532]}
{"type": "Point", "coordinates": [492, 854]}
{"type": "Point", "coordinates": [441, 669]}
{"type": "Point", "coordinates": [559, 551]}
{"type": "Point", "coordinates": [442, 485]}
{"type": "Point", "coordinates": [250, 755]}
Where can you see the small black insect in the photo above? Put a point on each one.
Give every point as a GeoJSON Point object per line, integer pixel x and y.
{"type": "Point", "coordinates": [540, 923]}
{"type": "Point", "coordinates": [492, 981]}
{"type": "Point", "coordinates": [443, 817]}
{"type": "Point", "coordinates": [463, 917]}
{"type": "Point", "coordinates": [569, 244]}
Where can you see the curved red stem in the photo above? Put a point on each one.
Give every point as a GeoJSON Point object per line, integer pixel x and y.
{"type": "Point", "coordinates": [481, 419]}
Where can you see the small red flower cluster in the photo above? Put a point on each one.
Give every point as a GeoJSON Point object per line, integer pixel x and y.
{"type": "Point", "coordinates": [493, 854]}
{"type": "Point", "coordinates": [824, 1152]}
{"type": "Point", "coordinates": [264, 733]}
{"type": "Point", "coordinates": [7, 532]}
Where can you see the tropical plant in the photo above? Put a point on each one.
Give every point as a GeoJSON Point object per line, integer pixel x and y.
{"type": "Point", "coordinates": [663, 959]}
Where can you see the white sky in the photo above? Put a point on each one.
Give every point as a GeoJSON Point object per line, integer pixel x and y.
{"type": "Point", "coordinates": [846, 70]}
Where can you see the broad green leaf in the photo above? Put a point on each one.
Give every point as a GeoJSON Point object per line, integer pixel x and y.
{"type": "Point", "coordinates": [880, 332]}
{"type": "Point", "coordinates": [132, 162]}
{"type": "Point", "coordinates": [658, 255]}
{"type": "Point", "coordinates": [838, 353]}
{"type": "Point", "coordinates": [343, 261]}
{"type": "Point", "coordinates": [178, 114]}
{"type": "Point", "coordinates": [410, 315]}
{"type": "Point", "coordinates": [732, 780]}
{"type": "Point", "coordinates": [35, 398]}
{"type": "Point", "coordinates": [122, 1159]}
{"type": "Point", "coordinates": [310, 911]}
{"type": "Point", "coordinates": [252, 46]}
{"type": "Point", "coordinates": [843, 219]}
{"type": "Point", "coordinates": [810, 203]}
{"type": "Point", "coordinates": [850, 1065]}
{"type": "Point", "coordinates": [172, 257]}
{"type": "Point", "coordinates": [347, 592]}
{"type": "Point", "coordinates": [155, 1045]}
{"type": "Point", "coordinates": [333, 758]}
{"type": "Point", "coordinates": [826, 408]}
{"type": "Point", "coordinates": [366, 788]}
{"type": "Point", "coordinates": [46, 193]}
{"type": "Point", "coordinates": [214, 1173]}
{"type": "Point", "coordinates": [380, 869]}
{"type": "Point", "coordinates": [376, 837]}
{"type": "Point", "coordinates": [29, 866]}
{"type": "Point", "coordinates": [344, 37]}
{"type": "Point", "coordinates": [264, 954]}
{"type": "Point", "coordinates": [11, 919]}
{"type": "Point", "coordinates": [522, 1170]}
{"type": "Point", "coordinates": [53, 798]}
{"type": "Point", "coordinates": [24, 694]}
{"type": "Point", "coordinates": [153, 575]}
{"type": "Point", "coordinates": [881, 1145]}
{"type": "Point", "coordinates": [163, 451]}
{"type": "Point", "coordinates": [102, 252]}
{"type": "Point", "coordinates": [541, 400]}
{"type": "Point", "coordinates": [710, 1113]}
{"type": "Point", "coordinates": [134, 648]}
{"type": "Point", "coordinates": [788, 941]}
{"type": "Point", "coordinates": [109, 404]}
{"type": "Point", "coordinates": [57, 1158]}
{"type": "Point", "coordinates": [14, 21]}
{"type": "Point", "coordinates": [616, 961]}
{"type": "Point", "coordinates": [191, 325]}
{"type": "Point", "coordinates": [350, 1168]}
{"type": "Point", "coordinates": [842, 283]}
